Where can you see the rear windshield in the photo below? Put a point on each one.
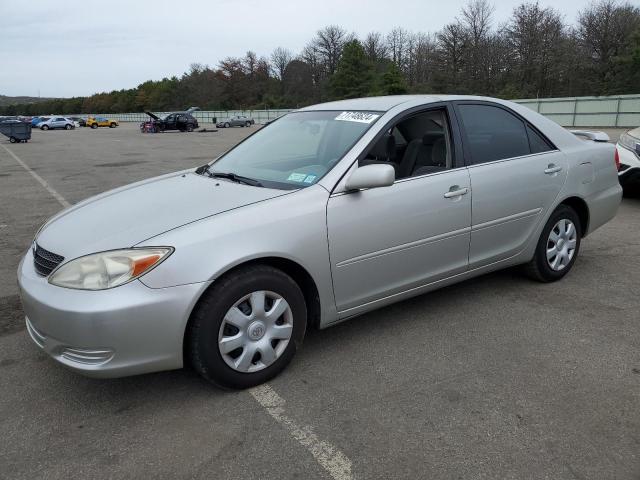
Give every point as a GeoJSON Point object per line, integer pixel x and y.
{"type": "Point", "coordinates": [298, 149]}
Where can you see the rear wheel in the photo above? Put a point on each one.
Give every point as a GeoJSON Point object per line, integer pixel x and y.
{"type": "Point", "coordinates": [247, 327]}
{"type": "Point", "coordinates": [13, 139]}
{"type": "Point", "coordinates": [557, 247]}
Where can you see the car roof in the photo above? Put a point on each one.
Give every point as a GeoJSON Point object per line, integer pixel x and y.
{"type": "Point", "coordinates": [386, 103]}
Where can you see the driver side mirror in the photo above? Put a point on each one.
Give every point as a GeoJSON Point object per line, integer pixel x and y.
{"type": "Point", "coordinates": [371, 176]}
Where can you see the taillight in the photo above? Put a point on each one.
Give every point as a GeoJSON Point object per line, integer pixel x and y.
{"type": "Point", "coordinates": [616, 157]}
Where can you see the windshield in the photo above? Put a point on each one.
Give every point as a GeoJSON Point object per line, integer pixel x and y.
{"type": "Point", "coordinates": [296, 150]}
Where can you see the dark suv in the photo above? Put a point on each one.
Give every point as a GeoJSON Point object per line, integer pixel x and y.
{"type": "Point", "coordinates": [183, 121]}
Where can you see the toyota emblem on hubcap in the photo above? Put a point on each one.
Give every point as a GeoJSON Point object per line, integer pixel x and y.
{"type": "Point", "coordinates": [256, 330]}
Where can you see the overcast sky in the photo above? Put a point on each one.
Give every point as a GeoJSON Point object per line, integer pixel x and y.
{"type": "Point", "coordinates": [68, 48]}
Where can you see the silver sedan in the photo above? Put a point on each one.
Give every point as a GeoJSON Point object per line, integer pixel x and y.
{"type": "Point", "coordinates": [326, 213]}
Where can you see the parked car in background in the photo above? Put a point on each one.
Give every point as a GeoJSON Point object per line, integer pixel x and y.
{"type": "Point", "coordinates": [628, 156]}
{"type": "Point", "coordinates": [237, 121]}
{"type": "Point", "coordinates": [81, 122]}
{"type": "Point", "coordinates": [56, 122]}
{"type": "Point", "coordinates": [36, 120]}
{"type": "Point", "coordinates": [325, 214]}
{"type": "Point", "coordinates": [95, 122]}
{"type": "Point", "coordinates": [182, 121]}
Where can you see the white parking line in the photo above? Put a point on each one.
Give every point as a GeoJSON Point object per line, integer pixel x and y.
{"type": "Point", "coordinates": [41, 180]}
{"type": "Point", "coordinates": [328, 456]}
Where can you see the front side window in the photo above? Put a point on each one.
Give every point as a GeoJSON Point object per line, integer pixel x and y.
{"type": "Point", "coordinates": [296, 150]}
{"type": "Point", "coordinates": [493, 133]}
{"type": "Point", "coordinates": [415, 146]}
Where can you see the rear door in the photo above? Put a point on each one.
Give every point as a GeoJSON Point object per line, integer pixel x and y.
{"type": "Point", "coordinates": [516, 175]}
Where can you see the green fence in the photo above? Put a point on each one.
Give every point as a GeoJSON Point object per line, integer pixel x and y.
{"type": "Point", "coordinates": [614, 111]}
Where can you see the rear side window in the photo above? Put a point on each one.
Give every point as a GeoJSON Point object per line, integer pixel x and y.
{"type": "Point", "coordinates": [493, 133]}
{"type": "Point", "coordinates": [537, 142]}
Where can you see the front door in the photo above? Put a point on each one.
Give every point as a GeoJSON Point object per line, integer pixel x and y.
{"type": "Point", "coordinates": [388, 240]}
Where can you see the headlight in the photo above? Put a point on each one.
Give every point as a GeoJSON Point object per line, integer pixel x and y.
{"type": "Point", "coordinates": [628, 141]}
{"type": "Point", "coordinates": [100, 271]}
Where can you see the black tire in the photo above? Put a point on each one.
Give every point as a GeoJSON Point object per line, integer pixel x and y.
{"type": "Point", "coordinates": [94, 125]}
{"type": "Point", "coordinates": [227, 125]}
{"type": "Point", "coordinates": [248, 124]}
{"type": "Point", "coordinates": [112, 125]}
{"type": "Point", "coordinates": [12, 139]}
{"type": "Point", "coordinates": [44, 127]}
{"type": "Point", "coordinates": [68, 127]}
{"type": "Point", "coordinates": [206, 319]}
{"type": "Point", "coordinates": [189, 128]}
{"type": "Point", "coordinates": [538, 268]}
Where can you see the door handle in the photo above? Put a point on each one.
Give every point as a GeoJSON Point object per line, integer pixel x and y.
{"type": "Point", "coordinates": [456, 191]}
{"type": "Point", "coordinates": [551, 169]}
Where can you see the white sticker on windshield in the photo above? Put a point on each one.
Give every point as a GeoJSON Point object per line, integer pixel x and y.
{"type": "Point", "coordinates": [297, 177]}
{"type": "Point", "coordinates": [360, 117]}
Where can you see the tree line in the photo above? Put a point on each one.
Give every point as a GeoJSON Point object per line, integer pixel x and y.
{"type": "Point", "coordinates": [533, 54]}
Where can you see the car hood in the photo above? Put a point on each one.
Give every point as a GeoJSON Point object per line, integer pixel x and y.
{"type": "Point", "coordinates": [126, 216]}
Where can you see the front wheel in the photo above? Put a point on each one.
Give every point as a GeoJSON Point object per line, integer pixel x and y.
{"type": "Point", "coordinates": [94, 125]}
{"type": "Point", "coordinates": [113, 125]}
{"type": "Point", "coordinates": [67, 127]}
{"type": "Point", "coordinates": [44, 127]}
{"type": "Point", "coordinates": [248, 124]}
{"type": "Point", "coordinates": [13, 139]}
{"type": "Point", "coordinates": [189, 128]}
{"type": "Point", "coordinates": [247, 327]}
{"type": "Point", "coordinates": [557, 247]}
{"type": "Point", "coordinates": [227, 125]}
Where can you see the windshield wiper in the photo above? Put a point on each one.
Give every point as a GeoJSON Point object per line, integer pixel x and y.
{"type": "Point", "coordinates": [236, 178]}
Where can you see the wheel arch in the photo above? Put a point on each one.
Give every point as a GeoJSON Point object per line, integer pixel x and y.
{"type": "Point", "coordinates": [582, 210]}
{"type": "Point", "coordinates": [297, 272]}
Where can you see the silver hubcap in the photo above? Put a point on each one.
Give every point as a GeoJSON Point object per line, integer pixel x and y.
{"type": "Point", "coordinates": [255, 331]}
{"type": "Point", "coordinates": [561, 245]}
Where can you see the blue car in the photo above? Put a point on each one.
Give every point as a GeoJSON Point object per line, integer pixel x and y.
{"type": "Point", "coordinates": [36, 120]}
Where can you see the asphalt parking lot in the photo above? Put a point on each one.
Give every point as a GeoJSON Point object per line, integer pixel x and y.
{"type": "Point", "coordinates": [497, 377]}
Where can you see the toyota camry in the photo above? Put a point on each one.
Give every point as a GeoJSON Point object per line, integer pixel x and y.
{"type": "Point", "coordinates": [324, 214]}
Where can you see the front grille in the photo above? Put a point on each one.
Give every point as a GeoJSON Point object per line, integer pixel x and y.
{"type": "Point", "coordinates": [45, 261]}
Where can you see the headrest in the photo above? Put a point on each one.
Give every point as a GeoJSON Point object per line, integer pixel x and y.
{"type": "Point", "coordinates": [385, 148]}
{"type": "Point", "coordinates": [430, 138]}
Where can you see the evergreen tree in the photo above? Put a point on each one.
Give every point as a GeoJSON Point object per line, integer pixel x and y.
{"type": "Point", "coordinates": [354, 76]}
{"type": "Point", "coordinates": [393, 82]}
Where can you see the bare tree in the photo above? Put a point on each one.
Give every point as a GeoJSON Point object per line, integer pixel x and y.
{"type": "Point", "coordinates": [603, 30]}
{"type": "Point", "coordinates": [397, 41]}
{"type": "Point", "coordinates": [375, 47]}
{"type": "Point", "coordinates": [537, 39]}
{"type": "Point", "coordinates": [280, 58]}
{"type": "Point", "coordinates": [451, 55]}
{"type": "Point", "coordinates": [328, 44]}
{"type": "Point", "coordinates": [476, 21]}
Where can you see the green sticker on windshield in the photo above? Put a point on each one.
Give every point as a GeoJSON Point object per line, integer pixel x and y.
{"type": "Point", "coordinates": [297, 177]}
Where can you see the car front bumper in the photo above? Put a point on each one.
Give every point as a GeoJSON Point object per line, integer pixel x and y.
{"type": "Point", "coordinates": [127, 330]}
{"type": "Point", "coordinates": [629, 172]}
